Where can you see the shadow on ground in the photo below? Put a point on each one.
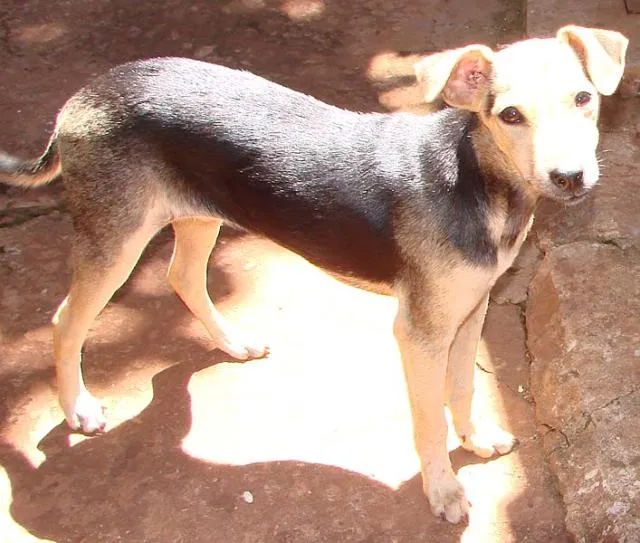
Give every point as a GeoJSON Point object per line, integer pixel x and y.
{"type": "Point", "coordinates": [319, 434]}
{"type": "Point", "coordinates": [136, 484]}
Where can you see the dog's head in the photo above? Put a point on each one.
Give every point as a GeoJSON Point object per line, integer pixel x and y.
{"type": "Point", "coordinates": [538, 99]}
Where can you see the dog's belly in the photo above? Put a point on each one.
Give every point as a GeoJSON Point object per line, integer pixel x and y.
{"type": "Point", "coordinates": [344, 241]}
{"type": "Point", "coordinates": [342, 228]}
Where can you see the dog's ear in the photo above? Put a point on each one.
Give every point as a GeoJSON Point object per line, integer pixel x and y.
{"type": "Point", "coordinates": [460, 76]}
{"type": "Point", "coordinates": [602, 53]}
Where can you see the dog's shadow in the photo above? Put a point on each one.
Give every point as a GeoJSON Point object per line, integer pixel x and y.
{"type": "Point", "coordinates": [136, 484]}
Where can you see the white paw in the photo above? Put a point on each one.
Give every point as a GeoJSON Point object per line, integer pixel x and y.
{"type": "Point", "coordinates": [242, 350]}
{"type": "Point", "coordinates": [448, 500]}
{"type": "Point", "coordinates": [489, 440]}
{"type": "Point", "coordinates": [85, 414]}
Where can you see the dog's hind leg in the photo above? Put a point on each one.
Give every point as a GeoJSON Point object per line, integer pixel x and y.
{"type": "Point", "coordinates": [102, 261]}
{"type": "Point", "coordinates": [194, 241]}
{"type": "Point", "coordinates": [484, 439]}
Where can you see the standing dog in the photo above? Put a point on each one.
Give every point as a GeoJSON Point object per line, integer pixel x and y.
{"type": "Point", "coordinates": [431, 208]}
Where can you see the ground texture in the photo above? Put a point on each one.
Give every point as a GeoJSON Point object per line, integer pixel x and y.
{"type": "Point", "coordinates": [313, 443]}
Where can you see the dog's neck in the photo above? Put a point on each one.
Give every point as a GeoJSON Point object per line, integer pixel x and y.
{"type": "Point", "coordinates": [506, 185]}
{"type": "Point", "coordinates": [496, 163]}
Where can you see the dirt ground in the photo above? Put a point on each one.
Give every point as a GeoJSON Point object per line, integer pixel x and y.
{"type": "Point", "coordinates": [311, 444]}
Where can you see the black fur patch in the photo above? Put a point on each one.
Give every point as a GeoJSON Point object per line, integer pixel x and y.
{"type": "Point", "coordinates": [470, 206]}
{"type": "Point", "coordinates": [462, 192]}
{"type": "Point", "coordinates": [275, 162]}
{"type": "Point", "coordinates": [327, 183]}
{"type": "Point", "coordinates": [519, 211]}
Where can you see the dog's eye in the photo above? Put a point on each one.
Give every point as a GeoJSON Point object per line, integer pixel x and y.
{"type": "Point", "coordinates": [583, 98]}
{"type": "Point", "coordinates": [511, 115]}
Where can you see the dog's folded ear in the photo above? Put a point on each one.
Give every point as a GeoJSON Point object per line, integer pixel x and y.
{"type": "Point", "coordinates": [460, 76]}
{"type": "Point", "coordinates": [601, 51]}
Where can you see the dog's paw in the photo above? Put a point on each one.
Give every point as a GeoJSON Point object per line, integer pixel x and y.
{"type": "Point", "coordinates": [241, 349]}
{"type": "Point", "coordinates": [85, 415]}
{"type": "Point", "coordinates": [489, 440]}
{"type": "Point", "coordinates": [448, 501]}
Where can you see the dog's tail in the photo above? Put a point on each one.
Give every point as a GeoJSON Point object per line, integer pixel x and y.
{"type": "Point", "coordinates": [31, 173]}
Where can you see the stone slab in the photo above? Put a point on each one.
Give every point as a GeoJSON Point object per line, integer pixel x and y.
{"type": "Point", "coordinates": [584, 339]}
{"type": "Point", "coordinates": [511, 287]}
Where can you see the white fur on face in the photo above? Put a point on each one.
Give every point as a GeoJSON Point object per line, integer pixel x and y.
{"type": "Point", "coordinates": [541, 78]}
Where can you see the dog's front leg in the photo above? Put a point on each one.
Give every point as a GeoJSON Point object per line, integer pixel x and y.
{"type": "Point", "coordinates": [485, 439]}
{"type": "Point", "coordinates": [424, 341]}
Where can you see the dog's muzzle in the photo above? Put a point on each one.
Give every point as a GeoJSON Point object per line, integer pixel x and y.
{"type": "Point", "coordinates": [569, 186]}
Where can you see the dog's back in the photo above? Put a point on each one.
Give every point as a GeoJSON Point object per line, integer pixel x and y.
{"type": "Point", "coordinates": [230, 144]}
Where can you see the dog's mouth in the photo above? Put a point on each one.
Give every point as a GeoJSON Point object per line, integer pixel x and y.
{"type": "Point", "coordinates": [571, 197]}
{"type": "Point", "coordinates": [577, 198]}
{"type": "Point", "coordinates": [568, 199]}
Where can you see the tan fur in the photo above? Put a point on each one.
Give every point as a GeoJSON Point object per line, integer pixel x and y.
{"type": "Point", "coordinates": [80, 118]}
{"type": "Point", "coordinates": [602, 52]}
{"type": "Point", "coordinates": [460, 76]}
{"type": "Point", "coordinates": [376, 288]}
{"type": "Point", "coordinates": [558, 135]}
{"type": "Point", "coordinates": [425, 352]}
{"type": "Point", "coordinates": [28, 174]}
{"type": "Point", "coordinates": [91, 289]}
{"type": "Point", "coordinates": [187, 274]}
{"type": "Point", "coordinates": [41, 178]}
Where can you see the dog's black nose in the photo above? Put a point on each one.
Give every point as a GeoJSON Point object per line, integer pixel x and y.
{"type": "Point", "coordinates": [567, 181]}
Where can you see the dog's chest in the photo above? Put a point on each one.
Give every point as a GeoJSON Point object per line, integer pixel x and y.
{"type": "Point", "coordinates": [507, 255]}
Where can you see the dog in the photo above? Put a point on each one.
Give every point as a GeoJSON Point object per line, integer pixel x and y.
{"type": "Point", "coordinates": [432, 209]}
